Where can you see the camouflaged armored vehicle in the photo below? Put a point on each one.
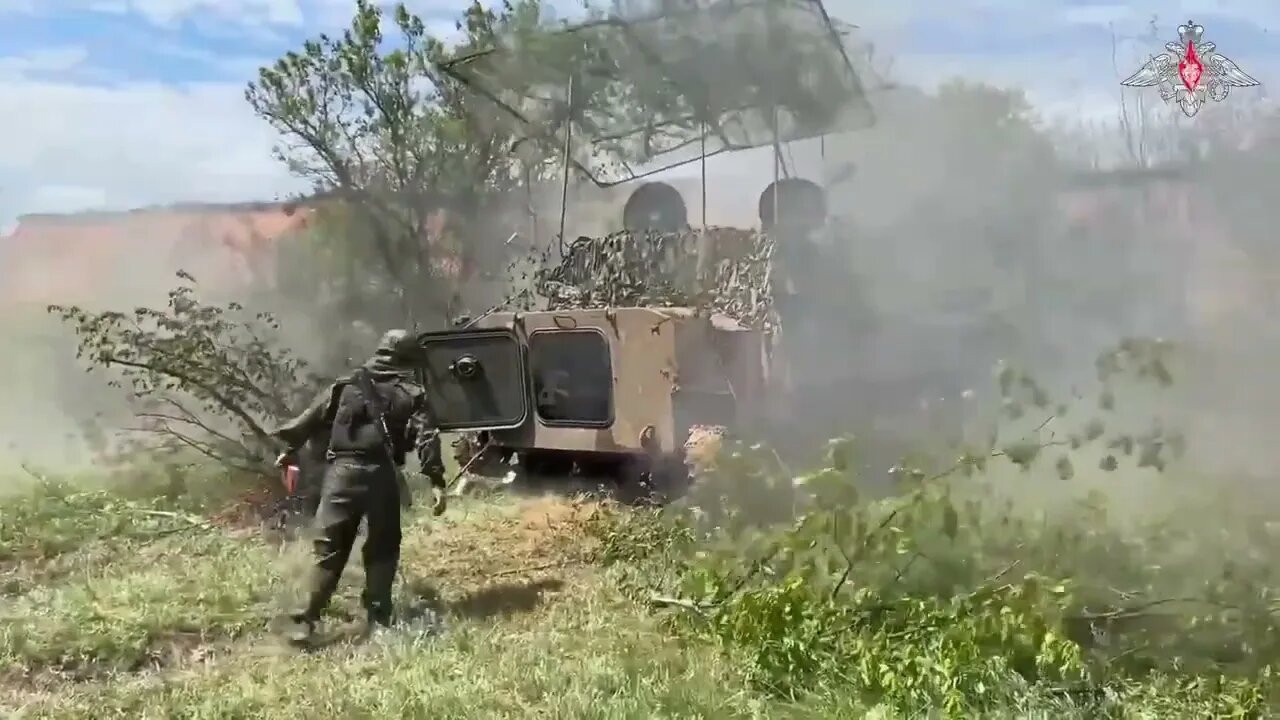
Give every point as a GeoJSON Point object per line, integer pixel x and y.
{"type": "Point", "coordinates": [632, 366]}
{"type": "Point", "coordinates": [647, 346]}
{"type": "Point", "coordinates": [621, 393]}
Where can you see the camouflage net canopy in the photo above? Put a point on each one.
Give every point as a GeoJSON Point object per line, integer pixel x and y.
{"type": "Point", "coordinates": [732, 275]}
{"type": "Point", "coordinates": [638, 88]}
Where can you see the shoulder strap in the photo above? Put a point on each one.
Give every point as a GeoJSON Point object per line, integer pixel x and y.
{"type": "Point", "coordinates": [334, 395]}
{"type": "Point", "coordinates": [373, 402]}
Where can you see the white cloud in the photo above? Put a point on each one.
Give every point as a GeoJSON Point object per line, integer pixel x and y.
{"type": "Point", "coordinates": [118, 145]}
{"type": "Point", "coordinates": [250, 14]}
{"type": "Point", "coordinates": [74, 146]}
{"type": "Point", "coordinates": [169, 12]}
{"type": "Point", "coordinates": [56, 198]}
{"type": "Point", "coordinates": [45, 60]}
{"type": "Point", "coordinates": [275, 12]}
{"type": "Point", "coordinates": [80, 147]}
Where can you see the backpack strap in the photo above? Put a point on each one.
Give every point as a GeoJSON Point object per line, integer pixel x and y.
{"type": "Point", "coordinates": [363, 379]}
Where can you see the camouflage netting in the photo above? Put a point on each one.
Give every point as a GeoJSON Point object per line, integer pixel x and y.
{"type": "Point", "coordinates": [722, 270]}
{"type": "Point", "coordinates": [656, 82]}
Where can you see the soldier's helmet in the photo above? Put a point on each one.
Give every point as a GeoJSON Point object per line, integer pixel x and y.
{"type": "Point", "coordinates": [395, 349]}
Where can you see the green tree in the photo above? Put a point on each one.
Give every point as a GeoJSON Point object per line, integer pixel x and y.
{"type": "Point", "coordinates": [359, 123]}
{"type": "Point", "coordinates": [374, 123]}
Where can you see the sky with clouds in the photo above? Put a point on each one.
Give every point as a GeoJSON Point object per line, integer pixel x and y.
{"type": "Point", "coordinates": [124, 103]}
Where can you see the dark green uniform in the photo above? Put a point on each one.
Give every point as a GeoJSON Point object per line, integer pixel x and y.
{"type": "Point", "coordinates": [362, 479]}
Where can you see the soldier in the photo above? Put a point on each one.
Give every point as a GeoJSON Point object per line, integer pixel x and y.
{"type": "Point", "coordinates": [374, 416]}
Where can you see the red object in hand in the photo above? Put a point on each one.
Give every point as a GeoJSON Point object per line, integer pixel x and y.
{"type": "Point", "coordinates": [289, 475]}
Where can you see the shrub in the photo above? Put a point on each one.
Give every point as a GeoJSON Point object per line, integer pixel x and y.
{"type": "Point", "coordinates": [963, 591]}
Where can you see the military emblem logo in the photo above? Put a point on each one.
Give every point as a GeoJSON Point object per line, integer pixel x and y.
{"type": "Point", "coordinates": [1191, 71]}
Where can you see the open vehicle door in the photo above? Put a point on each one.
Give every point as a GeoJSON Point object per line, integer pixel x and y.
{"type": "Point", "coordinates": [475, 379]}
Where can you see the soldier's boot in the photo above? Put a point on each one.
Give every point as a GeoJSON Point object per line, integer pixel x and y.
{"type": "Point", "coordinates": [376, 597]}
{"type": "Point", "coordinates": [301, 627]}
{"type": "Point", "coordinates": [299, 630]}
{"type": "Point", "coordinates": [378, 616]}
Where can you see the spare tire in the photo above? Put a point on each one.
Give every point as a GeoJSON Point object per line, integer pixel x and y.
{"type": "Point", "coordinates": [801, 203]}
{"type": "Point", "coordinates": [655, 207]}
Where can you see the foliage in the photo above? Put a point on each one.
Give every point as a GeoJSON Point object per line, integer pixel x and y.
{"type": "Point", "coordinates": [151, 631]}
{"type": "Point", "coordinates": [968, 589]}
{"type": "Point", "coordinates": [202, 377]}
{"type": "Point", "coordinates": [55, 518]}
{"type": "Point", "coordinates": [568, 657]}
{"type": "Point", "coordinates": [372, 124]}
{"type": "Point", "coordinates": [64, 605]}
{"type": "Point", "coordinates": [951, 604]}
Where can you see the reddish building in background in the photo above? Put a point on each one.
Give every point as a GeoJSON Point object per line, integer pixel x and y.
{"type": "Point", "coordinates": [76, 257]}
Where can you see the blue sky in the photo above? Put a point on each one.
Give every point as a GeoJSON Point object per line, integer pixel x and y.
{"type": "Point", "coordinates": [121, 103]}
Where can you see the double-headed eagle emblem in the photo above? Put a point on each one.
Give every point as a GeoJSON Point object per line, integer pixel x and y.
{"type": "Point", "coordinates": [1191, 70]}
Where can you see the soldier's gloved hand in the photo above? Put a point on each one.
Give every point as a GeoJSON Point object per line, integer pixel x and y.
{"type": "Point", "coordinates": [438, 501]}
{"type": "Point", "coordinates": [284, 459]}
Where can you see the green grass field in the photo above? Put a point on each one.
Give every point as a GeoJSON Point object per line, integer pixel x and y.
{"type": "Point", "coordinates": [166, 618]}
{"type": "Point", "coordinates": [131, 605]}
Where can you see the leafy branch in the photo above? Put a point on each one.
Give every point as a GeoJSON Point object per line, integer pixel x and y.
{"type": "Point", "coordinates": [201, 377]}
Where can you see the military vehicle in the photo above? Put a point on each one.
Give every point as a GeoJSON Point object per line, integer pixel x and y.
{"type": "Point", "coordinates": [606, 392]}
{"type": "Point", "coordinates": [648, 344]}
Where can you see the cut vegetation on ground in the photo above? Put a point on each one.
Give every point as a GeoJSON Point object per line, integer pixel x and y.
{"type": "Point", "coordinates": [520, 607]}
